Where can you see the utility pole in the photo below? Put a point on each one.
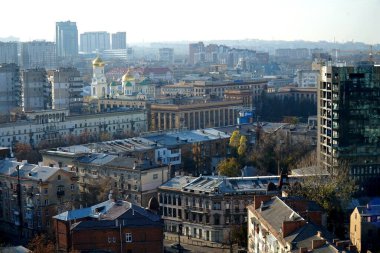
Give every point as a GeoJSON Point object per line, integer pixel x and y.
{"type": "Point", "coordinates": [179, 238]}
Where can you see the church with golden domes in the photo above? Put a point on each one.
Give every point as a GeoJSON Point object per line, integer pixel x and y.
{"type": "Point", "coordinates": [134, 84]}
{"type": "Point", "coordinates": [99, 87]}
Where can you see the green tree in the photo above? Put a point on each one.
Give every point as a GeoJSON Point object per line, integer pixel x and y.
{"type": "Point", "coordinates": [229, 167]}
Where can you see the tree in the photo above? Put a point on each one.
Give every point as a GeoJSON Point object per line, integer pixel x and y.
{"type": "Point", "coordinates": [332, 192]}
{"type": "Point", "coordinates": [242, 146]}
{"type": "Point", "coordinates": [41, 244]}
{"type": "Point", "coordinates": [97, 190]}
{"type": "Point", "coordinates": [234, 139]}
{"type": "Point", "coordinates": [26, 152]}
{"type": "Point", "coordinates": [229, 167]}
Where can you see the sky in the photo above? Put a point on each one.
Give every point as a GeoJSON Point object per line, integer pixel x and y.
{"type": "Point", "coordinates": [196, 20]}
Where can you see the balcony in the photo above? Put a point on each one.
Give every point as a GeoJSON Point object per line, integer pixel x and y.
{"type": "Point", "coordinates": [60, 193]}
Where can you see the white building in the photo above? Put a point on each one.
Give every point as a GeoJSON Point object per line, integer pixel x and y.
{"type": "Point", "coordinates": [91, 42]}
{"type": "Point", "coordinates": [166, 55]}
{"type": "Point", "coordinates": [177, 89]}
{"type": "Point", "coordinates": [56, 125]}
{"type": "Point", "coordinates": [307, 78]}
{"type": "Point", "coordinates": [99, 87]}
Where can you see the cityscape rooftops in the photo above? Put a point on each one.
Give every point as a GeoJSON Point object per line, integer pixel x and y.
{"type": "Point", "coordinates": [221, 185]}
{"type": "Point", "coordinates": [145, 142]}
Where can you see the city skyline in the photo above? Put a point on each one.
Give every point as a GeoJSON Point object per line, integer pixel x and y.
{"type": "Point", "coordinates": [167, 20]}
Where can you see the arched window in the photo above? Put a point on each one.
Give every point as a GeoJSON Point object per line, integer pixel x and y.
{"type": "Point", "coordinates": [59, 177]}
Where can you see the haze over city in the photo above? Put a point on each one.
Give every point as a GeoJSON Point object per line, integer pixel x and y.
{"type": "Point", "coordinates": [169, 20]}
{"type": "Point", "coordinates": [165, 126]}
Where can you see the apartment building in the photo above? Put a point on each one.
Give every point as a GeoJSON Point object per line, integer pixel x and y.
{"type": "Point", "coordinates": [31, 194]}
{"type": "Point", "coordinates": [10, 88]}
{"type": "Point", "coordinates": [278, 224]}
{"type": "Point", "coordinates": [36, 90]}
{"type": "Point", "coordinates": [67, 89]}
{"type": "Point", "coordinates": [56, 126]}
{"type": "Point", "coordinates": [207, 207]}
{"type": "Point", "coordinates": [110, 226]}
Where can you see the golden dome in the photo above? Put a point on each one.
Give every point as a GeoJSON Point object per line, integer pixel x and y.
{"type": "Point", "coordinates": [98, 62]}
{"type": "Point", "coordinates": [127, 77]}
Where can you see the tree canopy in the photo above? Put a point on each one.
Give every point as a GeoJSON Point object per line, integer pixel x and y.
{"type": "Point", "coordinates": [229, 167]}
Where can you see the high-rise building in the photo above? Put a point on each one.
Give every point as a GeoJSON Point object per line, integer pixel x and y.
{"type": "Point", "coordinates": [36, 91]}
{"type": "Point", "coordinates": [66, 38]}
{"type": "Point", "coordinates": [8, 52]}
{"type": "Point", "coordinates": [119, 40]}
{"type": "Point", "coordinates": [196, 53]}
{"type": "Point", "coordinates": [349, 118]}
{"type": "Point", "coordinates": [10, 88]}
{"type": "Point", "coordinates": [67, 88]}
{"type": "Point", "coordinates": [166, 55]}
{"type": "Point", "coordinates": [94, 42]}
{"type": "Point", "coordinates": [38, 54]}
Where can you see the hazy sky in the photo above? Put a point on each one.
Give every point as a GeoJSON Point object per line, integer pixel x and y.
{"type": "Point", "coordinates": [175, 20]}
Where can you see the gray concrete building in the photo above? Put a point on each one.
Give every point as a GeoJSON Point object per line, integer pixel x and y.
{"type": "Point", "coordinates": [36, 90]}
{"type": "Point", "coordinates": [91, 42]}
{"type": "Point", "coordinates": [10, 88]}
{"type": "Point", "coordinates": [8, 52]}
{"type": "Point", "coordinates": [67, 88]}
{"type": "Point", "coordinates": [38, 54]}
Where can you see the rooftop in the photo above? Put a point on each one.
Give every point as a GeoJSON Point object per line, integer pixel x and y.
{"type": "Point", "coordinates": [110, 214]}
{"type": "Point", "coordinates": [221, 185]}
{"type": "Point", "coordinates": [26, 170]}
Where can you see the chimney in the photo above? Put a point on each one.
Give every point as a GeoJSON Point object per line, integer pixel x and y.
{"type": "Point", "coordinates": [289, 227]}
{"type": "Point", "coordinates": [317, 243]}
{"type": "Point", "coordinates": [303, 250]}
{"type": "Point", "coordinates": [260, 198]}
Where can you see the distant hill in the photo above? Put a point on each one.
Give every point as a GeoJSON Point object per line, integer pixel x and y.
{"type": "Point", "coordinates": [10, 38]}
{"type": "Point", "coordinates": [265, 45]}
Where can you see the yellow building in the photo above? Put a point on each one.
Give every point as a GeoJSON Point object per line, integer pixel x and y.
{"type": "Point", "coordinates": [365, 228]}
{"type": "Point", "coordinates": [194, 114]}
{"type": "Point", "coordinates": [45, 192]}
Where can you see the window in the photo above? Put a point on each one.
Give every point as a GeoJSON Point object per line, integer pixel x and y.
{"type": "Point", "coordinates": [45, 191]}
{"type": "Point", "coordinates": [59, 177]}
{"type": "Point", "coordinates": [128, 237]}
{"type": "Point", "coordinates": [155, 176]}
{"type": "Point", "coordinates": [46, 202]}
{"type": "Point", "coordinates": [72, 187]}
